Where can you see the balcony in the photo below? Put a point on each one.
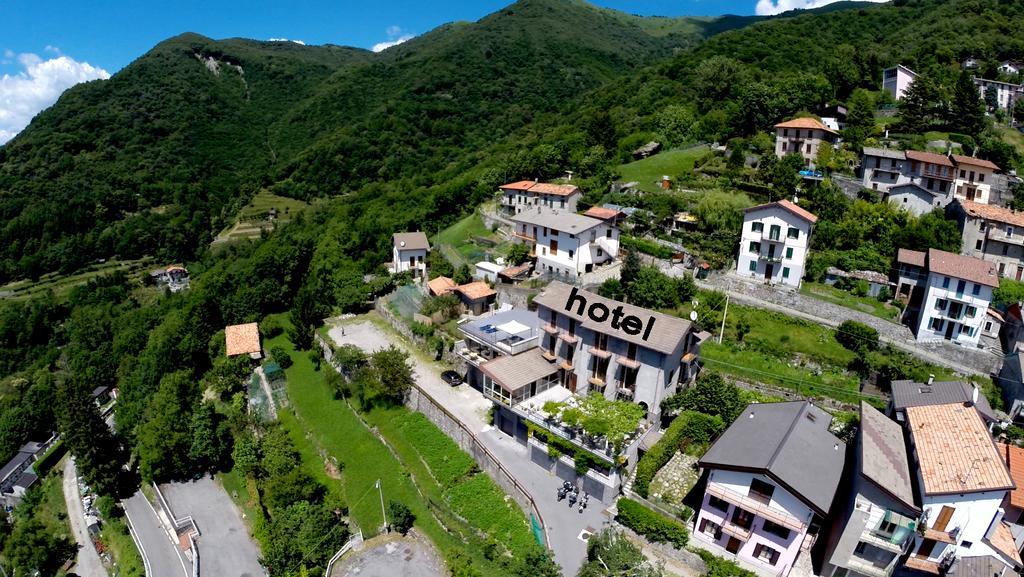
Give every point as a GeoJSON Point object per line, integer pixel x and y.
{"type": "Point", "coordinates": [599, 352]}
{"type": "Point", "coordinates": [922, 564]}
{"type": "Point", "coordinates": [625, 391]}
{"type": "Point", "coordinates": [766, 235]}
{"type": "Point", "coordinates": [524, 236]}
{"type": "Point", "coordinates": [770, 257]}
{"type": "Point", "coordinates": [598, 383]}
{"type": "Point", "coordinates": [880, 541]}
{"type": "Point", "coordinates": [948, 537]}
{"type": "Point", "coordinates": [549, 356]}
{"type": "Point", "coordinates": [549, 328]}
{"type": "Point", "coordinates": [734, 530]}
{"type": "Point", "coordinates": [567, 365]}
{"type": "Point", "coordinates": [997, 235]}
{"type": "Point", "coordinates": [869, 568]}
{"type": "Point", "coordinates": [764, 511]}
{"type": "Point", "coordinates": [567, 338]}
{"type": "Point", "coordinates": [628, 363]}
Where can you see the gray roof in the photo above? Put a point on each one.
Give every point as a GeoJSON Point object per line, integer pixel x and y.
{"type": "Point", "coordinates": [910, 394]}
{"type": "Point", "coordinates": [790, 443]}
{"type": "Point", "coordinates": [884, 153]}
{"type": "Point", "coordinates": [913, 187]}
{"type": "Point", "coordinates": [883, 455]}
{"type": "Point", "coordinates": [560, 220]}
{"type": "Point", "coordinates": [627, 210]}
{"type": "Point", "coordinates": [14, 464]}
{"type": "Point", "coordinates": [666, 334]}
{"type": "Point", "coordinates": [26, 480]}
{"type": "Point", "coordinates": [980, 566]}
{"type": "Point", "coordinates": [412, 240]}
{"type": "Point", "coordinates": [517, 371]}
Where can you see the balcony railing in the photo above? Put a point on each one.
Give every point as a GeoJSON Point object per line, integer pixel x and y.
{"type": "Point", "coordinates": [948, 537]}
{"type": "Point", "coordinates": [880, 541]}
{"type": "Point", "coordinates": [599, 352]}
{"type": "Point", "coordinates": [865, 567]}
{"type": "Point", "coordinates": [571, 339]}
{"type": "Point", "coordinates": [763, 511]}
{"type": "Point", "coordinates": [597, 383]}
{"type": "Point", "coordinates": [549, 328]}
{"type": "Point", "coordinates": [628, 363]}
{"type": "Point", "coordinates": [770, 257]}
{"type": "Point", "coordinates": [524, 236]}
{"type": "Point", "coordinates": [734, 530]}
{"type": "Point", "coordinates": [768, 236]}
{"type": "Point", "coordinates": [922, 564]}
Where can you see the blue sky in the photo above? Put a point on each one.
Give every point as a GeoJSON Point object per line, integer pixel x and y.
{"type": "Point", "coordinates": [48, 46]}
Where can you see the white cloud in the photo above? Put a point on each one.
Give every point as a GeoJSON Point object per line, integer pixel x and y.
{"type": "Point", "coordinates": [771, 7]}
{"type": "Point", "coordinates": [285, 40]}
{"type": "Point", "coordinates": [395, 37]}
{"type": "Point", "coordinates": [37, 86]}
{"type": "Point", "coordinates": [52, 48]}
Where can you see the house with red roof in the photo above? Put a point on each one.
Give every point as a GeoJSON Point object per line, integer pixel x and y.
{"type": "Point", "coordinates": [527, 194]}
{"type": "Point", "coordinates": [774, 242]}
{"type": "Point", "coordinates": [973, 178]}
{"type": "Point", "coordinates": [803, 136]}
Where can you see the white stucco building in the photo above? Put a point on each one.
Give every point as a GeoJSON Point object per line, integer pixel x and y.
{"type": "Point", "coordinates": [897, 80]}
{"type": "Point", "coordinates": [524, 195]}
{"type": "Point", "coordinates": [409, 253]}
{"type": "Point", "coordinates": [774, 242]}
{"type": "Point", "coordinates": [566, 243]}
{"type": "Point", "coordinates": [962, 480]}
{"type": "Point", "coordinates": [973, 178]}
{"type": "Point", "coordinates": [803, 136]}
{"type": "Point", "coordinates": [957, 292]}
{"type": "Point", "coordinates": [1006, 93]}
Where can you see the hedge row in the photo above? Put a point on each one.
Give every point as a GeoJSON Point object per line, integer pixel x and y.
{"type": "Point", "coordinates": [654, 526]}
{"type": "Point", "coordinates": [646, 246]}
{"type": "Point", "coordinates": [50, 458]}
{"type": "Point", "coordinates": [686, 424]}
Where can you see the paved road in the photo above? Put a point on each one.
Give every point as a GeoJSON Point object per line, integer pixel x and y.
{"type": "Point", "coordinates": [87, 563]}
{"type": "Point", "coordinates": [165, 560]}
{"type": "Point", "coordinates": [563, 525]}
{"type": "Point", "coordinates": [391, 555]}
{"type": "Point", "coordinates": [225, 548]}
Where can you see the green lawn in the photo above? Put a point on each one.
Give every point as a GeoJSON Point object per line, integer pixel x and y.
{"type": "Point", "coordinates": [868, 305]}
{"type": "Point", "coordinates": [1012, 136]}
{"type": "Point", "coordinates": [648, 172]}
{"type": "Point", "coordinates": [458, 245]}
{"type": "Point", "coordinates": [117, 539]}
{"type": "Point", "coordinates": [238, 487]}
{"type": "Point", "coordinates": [253, 216]}
{"type": "Point", "coordinates": [318, 422]}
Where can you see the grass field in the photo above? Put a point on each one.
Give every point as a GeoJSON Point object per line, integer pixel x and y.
{"type": "Point", "coordinates": [62, 284]}
{"type": "Point", "coordinates": [241, 493]}
{"type": "Point", "coordinates": [253, 217]}
{"type": "Point", "coordinates": [457, 242]}
{"type": "Point", "coordinates": [1012, 136]}
{"type": "Point", "coordinates": [869, 305]}
{"type": "Point", "coordinates": [119, 542]}
{"type": "Point", "coordinates": [320, 422]}
{"type": "Point", "coordinates": [648, 172]}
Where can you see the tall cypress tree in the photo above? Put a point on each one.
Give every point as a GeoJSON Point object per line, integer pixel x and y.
{"type": "Point", "coordinates": [99, 454]}
{"type": "Point", "coordinates": [968, 110]}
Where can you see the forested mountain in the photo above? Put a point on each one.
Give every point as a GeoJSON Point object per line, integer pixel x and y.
{"type": "Point", "coordinates": [152, 160]}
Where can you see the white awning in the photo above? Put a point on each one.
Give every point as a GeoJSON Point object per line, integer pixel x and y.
{"type": "Point", "coordinates": [514, 328]}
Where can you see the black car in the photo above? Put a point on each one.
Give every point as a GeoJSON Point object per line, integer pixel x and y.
{"type": "Point", "coordinates": [452, 378]}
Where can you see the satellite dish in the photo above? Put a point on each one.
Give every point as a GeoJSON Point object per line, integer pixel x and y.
{"type": "Point", "coordinates": [696, 303]}
{"type": "Point", "coordinates": [402, 243]}
{"type": "Point", "coordinates": [693, 316]}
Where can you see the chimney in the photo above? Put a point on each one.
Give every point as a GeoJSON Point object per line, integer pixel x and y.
{"type": "Point", "coordinates": [974, 395]}
{"type": "Point", "coordinates": [931, 379]}
{"type": "Point", "coordinates": [796, 199]}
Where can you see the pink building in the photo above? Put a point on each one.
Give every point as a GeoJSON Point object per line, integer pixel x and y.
{"type": "Point", "coordinates": [772, 477]}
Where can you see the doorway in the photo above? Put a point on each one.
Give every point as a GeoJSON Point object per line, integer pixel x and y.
{"type": "Point", "coordinates": [733, 546]}
{"type": "Point", "coordinates": [949, 330]}
{"type": "Point", "coordinates": [768, 270]}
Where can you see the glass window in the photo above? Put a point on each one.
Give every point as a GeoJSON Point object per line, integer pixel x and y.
{"type": "Point", "coordinates": [1006, 249]}
{"type": "Point", "coordinates": [789, 252]}
{"type": "Point", "coordinates": [945, 282]}
{"type": "Point", "coordinates": [785, 272]}
{"type": "Point", "coordinates": [776, 529]}
{"type": "Point", "coordinates": [793, 232]}
{"type": "Point", "coordinates": [716, 503]}
{"type": "Point", "coordinates": [960, 286]}
{"type": "Point", "coordinates": [755, 246]}
{"type": "Point", "coordinates": [753, 266]}
{"type": "Point", "coordinates": [976, 290]}
{"type": "Point", "coordinates": [971, 311]}
{"type": "Point", "coordinates": [940, 304]}
{"type": "Point", "coordinates": [1009, 231]}
{"type": "Point", "coordinates": [761, 491]}
{"type": "Point", "coordinates": [766, 554]}
{"type": "Point", "coordinates": [977, 245]}
{"type": "Point", "coordinates": [775, 232]}
{"type": "Point", "coordinates": [572, 253]}
{"type": "Point", "coordinates": [756, 226]}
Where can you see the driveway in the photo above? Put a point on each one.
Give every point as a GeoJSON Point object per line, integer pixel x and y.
{"type": "Point", "coordinates": [87, 563]}
{"type": "Point", "coordinates": [563, 524]}
{"type": "Point", "coordinates": [163, 558]}
{"type": "Point", "coordinates": [225, 548]}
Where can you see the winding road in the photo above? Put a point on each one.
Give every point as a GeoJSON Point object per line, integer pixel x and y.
{"type": "Point", "coordinates": [162, 557]}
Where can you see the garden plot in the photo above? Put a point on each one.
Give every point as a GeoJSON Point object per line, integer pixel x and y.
{"type": "Point", "coordinates": [676, 479]}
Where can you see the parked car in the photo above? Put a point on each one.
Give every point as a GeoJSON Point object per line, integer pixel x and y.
{"type": "Point", "coordinates": [452, 378]}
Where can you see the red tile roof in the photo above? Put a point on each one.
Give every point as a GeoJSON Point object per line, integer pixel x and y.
{"type": "Point", "coordinates": [441, 285]}
{"type": "Point", "coordinates": [476, 290]}
{"type": "Point", "coordinates": [960, 266]}
{"type": "Point", "coordinates": [812, 123]}
{"type": "Point", "coordinates": [541, 187]}
{"type": "Point", "coordinates": [603, 213]}
{"type": "Point", "coordinates": [914, 257]}
{"type": "Point", "coordinates": [521, 185]}
{"type": "Point", "coordinates": [789, 206]}
{"type": "Point", "coordinates": [1014, 457]}
{"type": "Point", "coordinates": [992, 212]}
{"type": "Point", "coordinates": [974, 161]}
{"type": "Point", "coordinates": [242, 339]}
{"type": "Point", "coordinates": [930, 157]}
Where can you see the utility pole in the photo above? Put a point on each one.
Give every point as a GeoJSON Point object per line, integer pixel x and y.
{"type": "Point", "coordinates": [721, 333]}
{"type": "Point", "coordinates": [380, 490]}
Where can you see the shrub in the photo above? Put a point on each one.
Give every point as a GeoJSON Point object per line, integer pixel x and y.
{"type": "Point", "coordinates": [281, 356]}
{"type": "Point", "coordinates": [857, 336]}
{"type": "Point", "coordinates": [447, 305]}
{"type": "Point", "coordinates": [401, 517]}
{"type": "Point", "coordinates": [421, 330]}
{"type": "Point", "coordinates": [645, 246]}
{"type": "Point", "coordinates": [654, 526]}
{"type": "Point", "coordinates": [704, 427]}
{"type": "Point", "coordinates": [271, 327]}
{"type": "Point", "coordinates": [719, 567]}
